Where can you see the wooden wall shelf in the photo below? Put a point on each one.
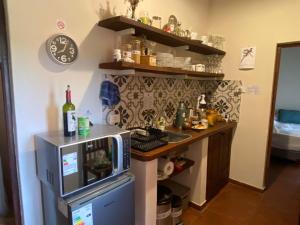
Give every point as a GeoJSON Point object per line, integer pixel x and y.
{"type": "Point", "coordinates": [154, 34]}
{"type": "Point", "coordinates": [188, 164]}
{"type": "Point", "coordinates": [156, 69]}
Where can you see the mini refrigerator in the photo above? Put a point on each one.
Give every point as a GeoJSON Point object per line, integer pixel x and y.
{"type": "Point", "coordinates": [85, 180]}
{"type": "Point", "coordinates": [111, 203]}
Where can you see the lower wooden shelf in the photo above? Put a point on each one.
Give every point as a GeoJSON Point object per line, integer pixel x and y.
{"type": "Point", "coordinates": [188, 163]}
{"type": "Point", "coordinates": [157, 69]}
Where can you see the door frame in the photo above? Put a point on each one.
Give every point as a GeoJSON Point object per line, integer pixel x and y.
{"type": "Point", "coordinates": [10, 152]}
{"type": "Point", "coordinates": [279, 47]}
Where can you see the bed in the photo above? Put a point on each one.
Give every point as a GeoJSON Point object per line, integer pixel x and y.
{"type": "Point", "coordinates": [286, 138]}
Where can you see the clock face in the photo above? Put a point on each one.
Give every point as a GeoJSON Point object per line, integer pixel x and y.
{"type": "Point", "coordinates": [62, 49]}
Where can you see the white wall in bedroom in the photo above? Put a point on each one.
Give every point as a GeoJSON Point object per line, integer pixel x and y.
{"type": "Point", "coordinates": [289, 80]}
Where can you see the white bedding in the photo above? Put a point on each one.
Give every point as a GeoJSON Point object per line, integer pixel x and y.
{"type": "Point", "coordinates": [287, 128]}
{"type": "Point", "coordinates": [286, 136]}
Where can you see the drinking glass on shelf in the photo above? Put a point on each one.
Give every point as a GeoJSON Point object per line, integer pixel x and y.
{"type": "Point", "coordinates": [214, 64]}
{"type": "Point", "coordinates": [220, 42]}
{"type": "Point", "coordinates": [219, 64]}
{"type": "Point", "coordinates": [217, 41]}
{"type": "Point", "coordinates": [209, 64]}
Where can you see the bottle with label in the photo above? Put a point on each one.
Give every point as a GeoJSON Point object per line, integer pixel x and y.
{"type": "Point", "coordinates": [69, 115]}
{"type": "Point", "coordinates": [203, 104]}
{"type": "Point", "coordinates": [202, 110]}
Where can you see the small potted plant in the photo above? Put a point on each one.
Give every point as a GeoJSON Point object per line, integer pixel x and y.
{"type": "Point", "coordinates": [133, 6]}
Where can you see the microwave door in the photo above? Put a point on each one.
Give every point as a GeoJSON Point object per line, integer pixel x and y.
{"type": "Point", "coordinates": [87, 163]}
{"type": "Point", "coordinates": [112, 206]}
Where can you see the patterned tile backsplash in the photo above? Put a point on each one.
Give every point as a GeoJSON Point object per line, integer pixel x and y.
{"type": "Point", "coordinates": [142, 97]}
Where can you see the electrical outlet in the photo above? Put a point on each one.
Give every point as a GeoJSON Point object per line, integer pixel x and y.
{"type": "Point", "coordinates": [114, 119]}
{"type": "Point", "coordinates": [243, 89]}
{"type": "Point", "coordinates": [253, 89]}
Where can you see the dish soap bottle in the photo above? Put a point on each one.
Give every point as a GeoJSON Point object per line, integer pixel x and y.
{"type": "Point", "coordinates": [69, 115]}
{"type": "Point", "coordinates": [180, 115]}
{"type": "Point", "coordinates": [202, 110]}
{"type": "Point", "coordinates": [161, 121]}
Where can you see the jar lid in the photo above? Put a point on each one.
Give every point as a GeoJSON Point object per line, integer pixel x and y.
{"type": "Point", "coordinates": [156, 17]}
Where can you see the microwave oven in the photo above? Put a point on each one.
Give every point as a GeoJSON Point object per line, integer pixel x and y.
{"type": "Point", "coordinates": [71, 164]}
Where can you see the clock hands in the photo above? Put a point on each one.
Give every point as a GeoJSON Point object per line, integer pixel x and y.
{"type": "Point", "coordinates": [63, 48]}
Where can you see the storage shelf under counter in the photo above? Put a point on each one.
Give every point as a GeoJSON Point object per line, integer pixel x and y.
{"type": "Point", "coordinates": [144, 166]}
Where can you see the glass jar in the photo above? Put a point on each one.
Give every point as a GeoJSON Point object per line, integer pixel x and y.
{"type": "Point", "coordinates": [117, 56]}
{"type": "Point", "coordinates": [171, 25]}
{"type": "Point", "coordinates": [161, 121]}
{"type": "Point", "coordinates": [126, 52]}
{"type": "Point", "coordinates": [156, 22]}
{"type": "Point", "coordinates": [144, 18]}
{"type": "Point", "coordinates": [136, 51]}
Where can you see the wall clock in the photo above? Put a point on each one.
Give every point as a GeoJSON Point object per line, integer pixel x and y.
{"type": "Point", "coordinates": [62, 49]}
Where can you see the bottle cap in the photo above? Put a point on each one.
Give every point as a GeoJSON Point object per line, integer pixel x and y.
{"type": "Point", "coordinates": [202, 101]}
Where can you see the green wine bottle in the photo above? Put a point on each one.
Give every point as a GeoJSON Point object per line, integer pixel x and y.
{"type": "Point", "coordinates": [69, 115]}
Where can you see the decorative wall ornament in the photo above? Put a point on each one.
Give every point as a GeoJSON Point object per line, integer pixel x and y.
{"type": "Point", "coordinates": [248, 58]}
{"type": "Point", "coordinates": [143, 97]}
{"type": "Point", "coordinates": [133, 5]}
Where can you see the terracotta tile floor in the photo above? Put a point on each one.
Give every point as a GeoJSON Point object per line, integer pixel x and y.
{"type": "Point", "coordinates": [238, 205]}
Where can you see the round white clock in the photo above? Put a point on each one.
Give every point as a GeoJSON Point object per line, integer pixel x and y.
{"type": "Point", "coordinates": [62, 49]}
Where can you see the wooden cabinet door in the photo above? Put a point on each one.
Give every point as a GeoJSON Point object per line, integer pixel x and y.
{"type": "Point", "coordinates": [218, 162]}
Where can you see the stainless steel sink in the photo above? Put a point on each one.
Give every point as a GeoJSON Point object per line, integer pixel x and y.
{"type": "Point", "coordinates": [175, 137]}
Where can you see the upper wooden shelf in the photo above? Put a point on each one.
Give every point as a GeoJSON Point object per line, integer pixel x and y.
{"type": "Point", "coordinates": [157, 69]}
{"type": "Point", "coordinates": [154, 34]}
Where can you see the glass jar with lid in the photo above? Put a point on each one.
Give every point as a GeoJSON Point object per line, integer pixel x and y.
{"type": "Point", "coordinates": [156, 22]}
{"type": "Point", "coordinates": [136, 51]}
{"type": "Point", "coordinates": [126, 52]}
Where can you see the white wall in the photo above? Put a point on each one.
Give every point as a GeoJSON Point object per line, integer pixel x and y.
{"type": "Point", "coordinates": [288, 91]}
{"type": "Point", "coordinates": [39, 84]}
{"type": "Point", "coordinates": [262, 24]}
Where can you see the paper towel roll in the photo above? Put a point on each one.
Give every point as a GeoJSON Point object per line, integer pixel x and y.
{"type": "Point", "coordinates": [166, 166]}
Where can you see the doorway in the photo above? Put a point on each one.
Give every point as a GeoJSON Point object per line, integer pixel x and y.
{"type": "Point", "coordinates": [9, 185]}
{"type": "Point", "coordinates": [281, 48]}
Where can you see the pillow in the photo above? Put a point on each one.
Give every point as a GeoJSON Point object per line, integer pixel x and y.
{"type": "Point", "coordinates": [288, 116]}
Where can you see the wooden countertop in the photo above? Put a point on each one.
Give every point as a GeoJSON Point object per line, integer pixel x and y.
{"type": "Point", "coordinates": [196, 136]}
